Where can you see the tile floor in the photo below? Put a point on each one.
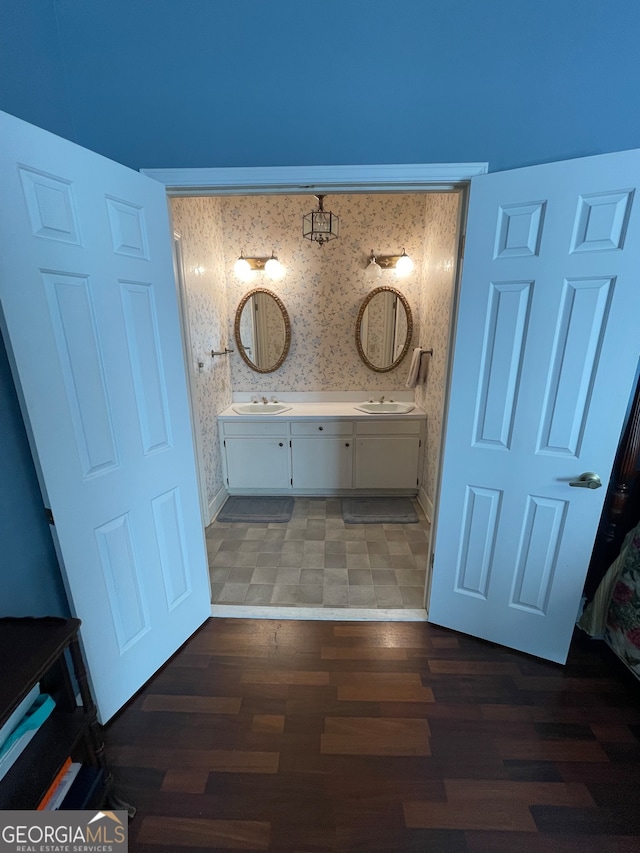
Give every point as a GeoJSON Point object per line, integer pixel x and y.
{"type": "Point", "coordinates": [316, 560]}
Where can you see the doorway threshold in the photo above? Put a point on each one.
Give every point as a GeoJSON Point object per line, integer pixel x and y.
{"type": "Point", "coordinates": [319, 614]}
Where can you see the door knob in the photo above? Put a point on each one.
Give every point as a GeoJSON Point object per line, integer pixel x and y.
{"type": "Point", "coordinates": [588, 480]}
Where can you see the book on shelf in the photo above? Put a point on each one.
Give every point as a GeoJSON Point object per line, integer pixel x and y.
{"type": "Point", "coordinates": [9, 727]}
{"type": "Point", "coordinates": [17, 741]}
{"type": "Point", "coordinates": [54, 784]}
{"type": "Point", "coordinates": [63, 787]}
{"type": "Point", "coordinates": [85, 789]}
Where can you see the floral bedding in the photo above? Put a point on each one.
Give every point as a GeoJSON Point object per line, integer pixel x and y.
{"type": "Point", "coordinates": [622, 628]}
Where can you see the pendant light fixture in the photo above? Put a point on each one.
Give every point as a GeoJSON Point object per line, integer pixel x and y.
{"type": "Point", "coordinates": [320, 225]}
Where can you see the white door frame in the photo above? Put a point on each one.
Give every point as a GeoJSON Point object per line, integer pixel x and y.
{"type": "Point", "coordinates": [305, 180]}
{"type": "Point", "coordinates": [310, 180]}
{"type": "Point", "coordinates": [185, 331]}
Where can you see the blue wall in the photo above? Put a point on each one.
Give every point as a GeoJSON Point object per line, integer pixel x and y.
{"type": "Point", "coordinates": [154, 83]}
{"type": "Point", "coordinates": [29, 574]}
{"type": "Point", "coordinates": [33, 87]}
{"type": "Point", "coordinates": [284, 82]}
{"type": "Point", "coordinates": [32, 78]}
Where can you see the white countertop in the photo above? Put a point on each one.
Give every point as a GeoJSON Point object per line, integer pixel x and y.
{"type": "Point", "coordinates": [322, 410]}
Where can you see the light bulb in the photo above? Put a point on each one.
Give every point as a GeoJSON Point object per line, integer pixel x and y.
{"type": "Point", "coordinates": [274, 269]}
{"type": "Point", "coordinates": [373, 271]}
{"type": "Point", "coordinates": [242, 268]}
{"type": "Point", "coordinates": [404, 265]}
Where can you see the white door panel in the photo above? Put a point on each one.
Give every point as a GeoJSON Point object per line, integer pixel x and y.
{"type": "Point", "coordinates": [545, 354]}
{"type": "Point", "coordinates": [90, 307]}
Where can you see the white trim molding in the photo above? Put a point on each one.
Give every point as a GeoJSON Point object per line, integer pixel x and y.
{"type": "Point", "coordinates": [215, 504]}
{"type": "Point", "coordinates": [265, 180]}
{"type": "Point", "coordinates": [185, 330]}
{"type": "Point", "coordinates": [426, 503]}
{"type": "Point", "coordinates": [317, 614]}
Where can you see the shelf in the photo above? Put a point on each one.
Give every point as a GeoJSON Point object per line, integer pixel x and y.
{"type": "Point", "coordinates": [47, 652]}
{"type": "Point", "coordinates": [35, 768]}
{"type": "Point", "coordinates": [29, 648]}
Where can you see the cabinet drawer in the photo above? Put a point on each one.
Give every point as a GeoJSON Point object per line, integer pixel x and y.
{"type": "Point", "coordinates": [321, 427]}
{"type": "Point", "coordinates": [255, 428]}
{"type": "Point", "coordinates": [382, 427]}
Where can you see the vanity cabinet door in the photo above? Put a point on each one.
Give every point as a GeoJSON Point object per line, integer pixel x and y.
{"type": "Point", "coordinates": [322, 463]}
{"type": "Point", "coordinates": [257, 463]}
{"type": "Point", "coordinates": [389, 462]}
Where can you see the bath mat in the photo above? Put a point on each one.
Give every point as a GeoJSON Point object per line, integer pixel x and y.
{"type": "Point", "coordinates": [249, 509]}
{"type": "Point", "coordinates": [378, 511]}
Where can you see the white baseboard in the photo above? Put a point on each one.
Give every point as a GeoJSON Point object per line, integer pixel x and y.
{"type": "Point", "coordinates": [426, 503]}
{"type": "Point", "coordinates": [318, 614]}
{"type": "Point", "coordinates": [215, 505]}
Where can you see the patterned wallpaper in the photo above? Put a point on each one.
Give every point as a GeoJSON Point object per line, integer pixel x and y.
{"type": "Point", "coordinates": [322, 290]}
{"type": "Point", "coordinates": [323, 287]}
{"type": "Point", "coordinates": [199, 222]}
{"type": "Point", "coordinates": [438, 268]}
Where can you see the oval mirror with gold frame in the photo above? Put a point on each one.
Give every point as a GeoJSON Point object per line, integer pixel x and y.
{"type": "Point", "coordinates": [262, 330]}
{"type": "Point", "coordinates": [384, 329]}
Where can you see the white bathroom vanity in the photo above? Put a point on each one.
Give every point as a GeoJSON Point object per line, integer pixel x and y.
{"type": "Point", "coordinates": [322, 449]}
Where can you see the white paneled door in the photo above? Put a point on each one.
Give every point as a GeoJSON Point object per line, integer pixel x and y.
{"type": "Point", "coordinates": [90, 311]}
{"type": "Point", "coordinates": [547, 344]}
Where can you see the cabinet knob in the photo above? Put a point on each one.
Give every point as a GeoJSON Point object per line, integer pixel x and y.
{"type": "Point", "coordinates": [346, 444]}
{"type": "Point", "coordinates": [320, 428]}
{"type": "Point", "coordinates": [280, 444]}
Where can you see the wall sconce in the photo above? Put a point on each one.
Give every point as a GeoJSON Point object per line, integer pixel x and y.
{"type": "Point", "coordinates": [246, 268]}
{"type": "Point", "coordinates": [402, 264]}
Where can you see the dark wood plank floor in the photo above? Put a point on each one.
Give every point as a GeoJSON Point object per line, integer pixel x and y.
{"type": "Point", "coordinates": [336, 736]}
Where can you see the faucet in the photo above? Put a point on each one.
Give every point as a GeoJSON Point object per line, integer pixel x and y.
{"type": "Point", "coordinates": [264, 400]}
{"type": "Point", "coordinates": [382, 399]}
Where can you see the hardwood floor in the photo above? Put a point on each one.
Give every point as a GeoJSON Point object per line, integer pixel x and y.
{"type": "Point", "coordinates": [319, 736]}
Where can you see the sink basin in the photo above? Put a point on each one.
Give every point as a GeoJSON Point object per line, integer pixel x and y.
{"type": "Point", "coordinates": [260, 408]}
{"type": "Point", "coordinates": [389, 408]}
